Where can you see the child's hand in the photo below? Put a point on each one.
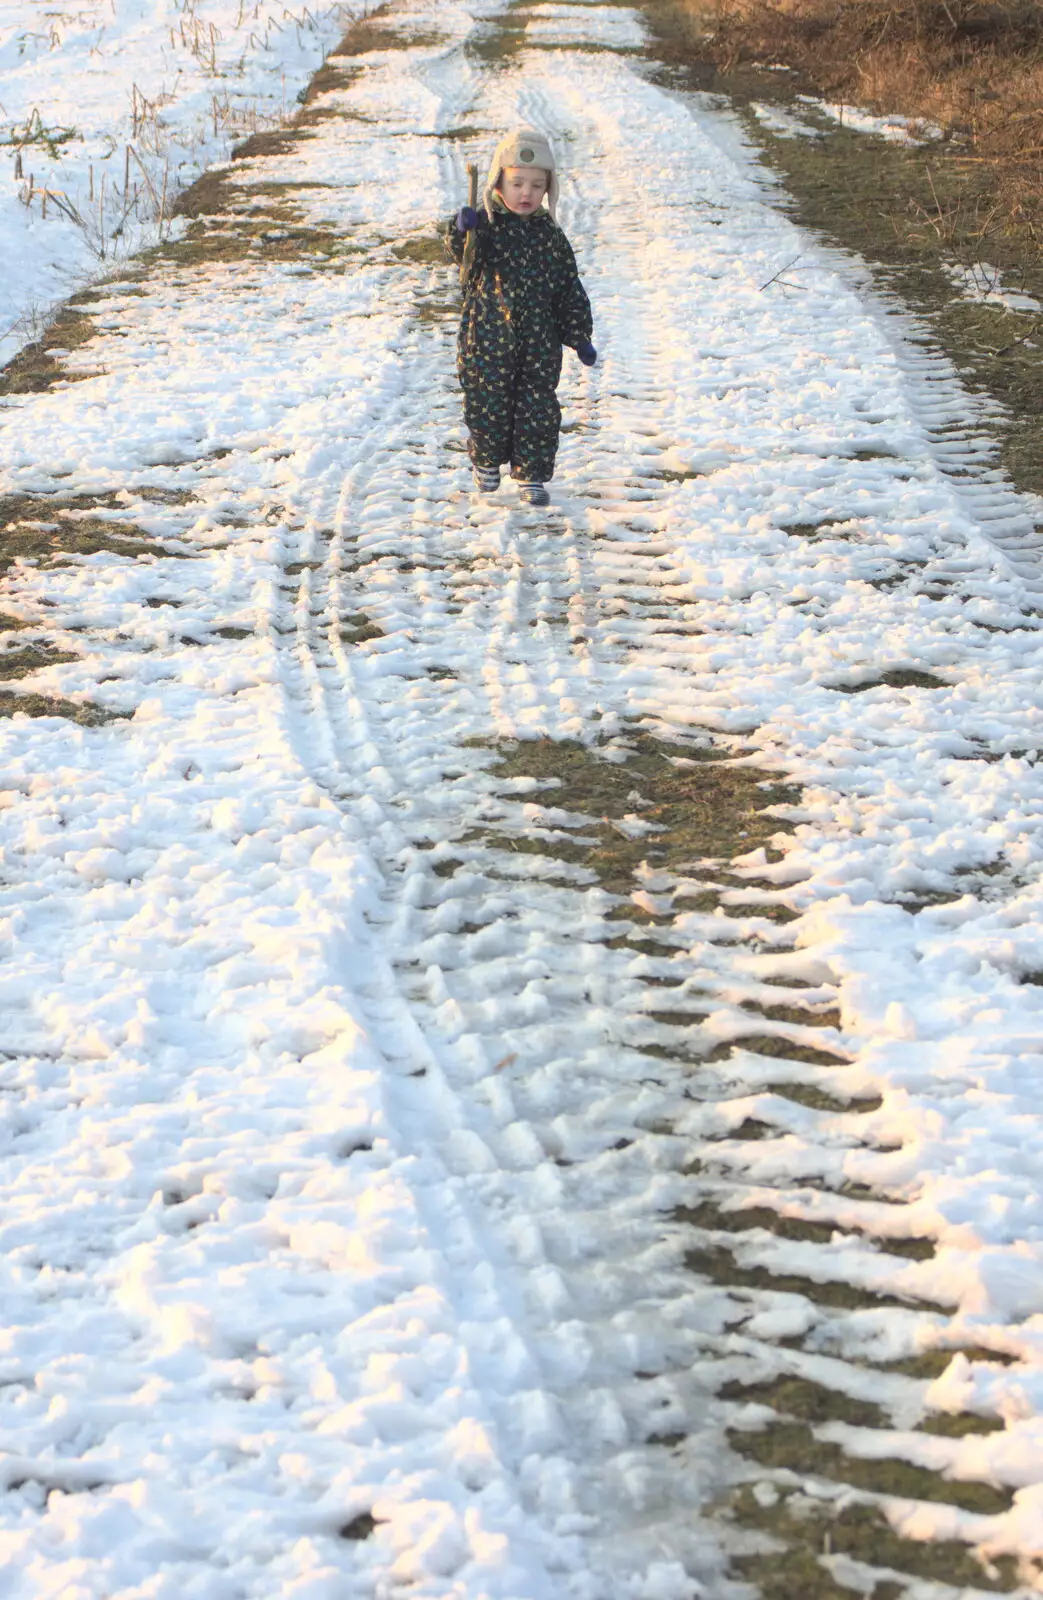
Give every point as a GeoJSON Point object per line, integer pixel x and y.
{"type": "Point", "coordinates": [586, 352]}
{"type": "Point", "coordinates": [466, 219]}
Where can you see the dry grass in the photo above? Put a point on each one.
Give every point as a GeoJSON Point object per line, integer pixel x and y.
{"type": "Point", "coordinates": [713, 806]}
{"type": "Point", "coordinates": [22, 663]}
{"type": "Point", "coordinates": [809, 1529]}
{"type": "Point", "coordinates": [973, 196]}
{"type": "Point", "coordinates": [793, 1446]}
{"type": "Point", "coordinates": [972, 67]}
{"type": "Point", "coordinates": [46, 528]}
{"type": "Point", "coordinates": [39, 365]}
{"type": "Point", "coordinates": [83, 712]}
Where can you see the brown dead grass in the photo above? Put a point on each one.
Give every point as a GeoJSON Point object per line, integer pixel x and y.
{"type": "Point", "coordinates": [39, 365]}
{"type": "Point", "coordinates": [808, 1529]}
{"type": "Point", "coordinates": [974, 67]}
{"type": "Point", "coordinates": [974, 195]}
{"type": "Point", "coordinates": [22, 663]}
{"type": "Point", "coordinates": [712, 806]}
{"type": "Point", "coordinates": [45, 528]}
{"type": "Point", "coordinates": [83, 712]}
{"type": "Point", "coordinates": [793, 1446]}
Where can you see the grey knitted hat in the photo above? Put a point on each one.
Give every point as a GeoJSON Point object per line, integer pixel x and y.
{"type": "Point", "coordinates": [523, 148]}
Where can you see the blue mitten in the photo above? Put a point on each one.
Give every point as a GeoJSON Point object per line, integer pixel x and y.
{"type": "Point", "coordinates": [586, 352]}
{"type": "Point", "coordinates": [466, 219]}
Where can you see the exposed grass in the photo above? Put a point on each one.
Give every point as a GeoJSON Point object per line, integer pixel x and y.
{"type": "Point", "coordinates": [932, 1363]}
{"type": "Point", "coordinates": [424, 251]}
{"type": "Point", "coordinates": [227, 225]}
{"type": "Point", "coordinates": [39, 365]}
{"type": "Point", "coordinates": [809, 1528]}
{"type": "Point", "coordinates": [707, 1214]}
{"type": "Point", "coordinates": [895, 678]}
{"type": "Point", "coordinates": [713, 806]}
{"type": "Point", "coordinates": [771, 1045]}
{"type": "Point", "coordinates": [813, 1402]}
{"type": "Point", "coordinates": [84, 712]}
{"type": "Point", "coordinates": [44, 528]}
{"type": "Point", "coordinates": [717, 1263]}
{"type": "Point", "coordinates": [358, 627]}
{"type": "Point", "coordinates": [958, 1424]}
{"type": "Point", "coordinates": [806, 1016]}
{"type": "Point", "coordinates": [792, 1445]}
{"type": "Point", "coordinates": [807, 1401]}
{"type": "Point", "coordinates": [21, 663]}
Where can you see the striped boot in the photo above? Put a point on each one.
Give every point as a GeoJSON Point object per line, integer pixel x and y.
{"type": "Point", "coordinates": [534, 494]}
{"type": "Point", "coordinates": [487, 479]}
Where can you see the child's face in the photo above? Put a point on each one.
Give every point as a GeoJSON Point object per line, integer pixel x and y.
{"type": "Point", "coordinates": [523, 189]}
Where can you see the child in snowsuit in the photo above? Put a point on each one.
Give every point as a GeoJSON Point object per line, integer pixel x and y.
{"type": "Point", "coordinates": [523, 300]}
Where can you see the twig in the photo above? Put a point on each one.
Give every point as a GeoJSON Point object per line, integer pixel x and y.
{"type": "Point", "coordinates": [1015, 342]}
{"type": "Point", "coordinates": [776, 276]}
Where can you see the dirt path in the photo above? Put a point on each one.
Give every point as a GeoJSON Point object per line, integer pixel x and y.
{"type": "Point", "coordinates": [519, 1030]}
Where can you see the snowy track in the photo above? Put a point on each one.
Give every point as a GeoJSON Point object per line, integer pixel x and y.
{"type": "Point", "coordinates": [458, 1141]}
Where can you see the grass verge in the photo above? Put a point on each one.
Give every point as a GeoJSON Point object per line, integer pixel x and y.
{"type": "Point", "coordinates": [967, 202]}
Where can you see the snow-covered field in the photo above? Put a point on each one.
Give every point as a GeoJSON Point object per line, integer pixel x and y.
{"type": "Point", "coordinates": [394, 1203]}
{"type": "Point", "coordinates": [110, 107]}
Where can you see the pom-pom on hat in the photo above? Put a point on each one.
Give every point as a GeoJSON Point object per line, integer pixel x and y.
{"type": "Point", "coordinates": [523, 148]}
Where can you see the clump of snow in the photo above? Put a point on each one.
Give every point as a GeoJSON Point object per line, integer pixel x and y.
{"type": "Point", "coordinates": [983, 284]}
{"type": "Point", "coordinates": [784, 123]}
{"type": "Point", "coordinates": [891, 126]}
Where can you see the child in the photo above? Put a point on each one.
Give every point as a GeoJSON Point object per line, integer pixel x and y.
{"type": "Point", "coordinates": [522, 301]}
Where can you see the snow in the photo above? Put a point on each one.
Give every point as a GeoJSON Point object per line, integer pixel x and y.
{"type": "Point", "coordinates": [983, 284]}
{"type": "Point", "coordinates": [175, 85]}
{"type": "Point", "coordinates": [336, 1230]}
{"type": "Point", "coordinates": [608, 26]}
{"type": "Point", "coordinates": [783, 123]}
{"type": "Point", "coordinates": [894, 128]}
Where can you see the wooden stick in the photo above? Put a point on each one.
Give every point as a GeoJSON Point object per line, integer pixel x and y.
{"type": "Point", "coordinates": [470, 243]}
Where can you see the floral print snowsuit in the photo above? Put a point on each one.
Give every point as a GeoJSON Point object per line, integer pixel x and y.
{"type": "Point", "coordinates": [522, 302]}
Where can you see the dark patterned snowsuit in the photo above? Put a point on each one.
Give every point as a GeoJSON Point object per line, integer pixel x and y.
{"type": "Point", "coordinates": [522, 302]}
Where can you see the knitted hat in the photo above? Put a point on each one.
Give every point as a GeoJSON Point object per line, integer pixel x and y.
{"type": "Point", "coordinates": [523, 148]}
